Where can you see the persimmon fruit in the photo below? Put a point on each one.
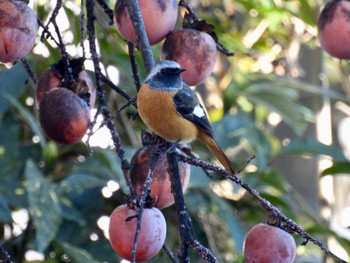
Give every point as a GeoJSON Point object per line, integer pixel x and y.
{"type": "Point", "coordinates": [64, 116]}
{"type": "Point", "coordinates": [334, 28]}
{"type": "Point", "coordinates": [268, 244]}
{"type": "Point", "coordinates": [122, 232]}
{"type": "Point", "coordinates": [18, 28]}
{"type": "Point", "coordinates": [159, 17]}
{"type": "Point", "coordinates": [160, 188]}
{"type": "Point", "coordinates": [195, 51]}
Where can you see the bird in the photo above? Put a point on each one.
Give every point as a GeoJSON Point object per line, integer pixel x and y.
{"type": "Point", "coordinates": [172, 110]}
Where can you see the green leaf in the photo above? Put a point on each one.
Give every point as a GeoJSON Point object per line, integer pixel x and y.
{"type": "Point", "coordinates": [5, 211]}
{"type": "Point", "coordinates": [78, 254]}
{"type": "Point", "coordinates": [30, 119]}
{"type": "Point", "coordinates": [216, 208]}
{"type": "Point", "coordinates": [280, 100]}
{"type": "Point", "coordinates": [12, 83]}
{"type": "Point", "coordinates": [308, 13]}
{"type": "Point", "coordinates": [309, 88]}
{"type": "Point", "coordinates": [262, 148]}
{"type": "Point", "coordinates": [69, 212]}
{"type": "Point", "coordinates": [236, 230]}
{"type": "Point", "coordinates": [313, 147]}
{"type": "Point", "coordinates": [78, 183]}
{"type": "Point", "coordinates": [112, 162]}
{"type": "Point", "coordinates": [231, 128]}
{"type": "Point", "coordinates": [43, 206]}
{"type": "Point", "coordinates": [198, 178]}
{"type": "Point", "coordinates": [337, 169]}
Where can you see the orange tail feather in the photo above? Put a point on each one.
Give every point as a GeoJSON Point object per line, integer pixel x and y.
{"type": "Point", "coordinates": [216, 150]}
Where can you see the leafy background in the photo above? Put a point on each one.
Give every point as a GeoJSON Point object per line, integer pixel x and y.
{"type": "Point", "coordinates": [56, 199]}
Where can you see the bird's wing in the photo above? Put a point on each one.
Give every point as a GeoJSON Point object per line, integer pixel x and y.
{"type": "Point", "coordinates": [188, 106]}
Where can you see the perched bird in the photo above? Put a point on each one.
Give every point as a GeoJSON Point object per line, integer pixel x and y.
{"type": "Point", "coordinates": [172, 110]}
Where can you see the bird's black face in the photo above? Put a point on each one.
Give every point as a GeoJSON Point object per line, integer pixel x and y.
{"type": "Point", "coordinates": [172, 71]}
{"type": "Point", "coordinates": [166, 78]}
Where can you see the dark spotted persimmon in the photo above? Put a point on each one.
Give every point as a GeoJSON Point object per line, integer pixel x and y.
{"type": "Point", "coordinates": [122, 232]}
{"type": "Point", "coordinates": [160, 186]}
{"type": "Point", "coordinates": [18, 28]}
{"type": "Point", "coordinates": [195, 51]}
{"type": "Point", "coordinates": [159, 17]}
{"type": "Point", "coordinates": [64, 116]}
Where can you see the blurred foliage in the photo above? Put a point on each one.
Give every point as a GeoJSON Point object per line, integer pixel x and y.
{"type": "Point", "coordinates": [59, 188]}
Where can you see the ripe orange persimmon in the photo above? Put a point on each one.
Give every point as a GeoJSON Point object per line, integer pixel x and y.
{"type": "Point", "coordinates": [334, 29]}
{"type": "Point", "coordinates": [122, 232]}
{"type": "Point", "coordinates": [160, 186]}
{"type": "Point", "coordinates": [270, 244]}
{"type": "Point", "coordinates": [193, 50]}
{"type": "Point", "coordinates": [159, 17]}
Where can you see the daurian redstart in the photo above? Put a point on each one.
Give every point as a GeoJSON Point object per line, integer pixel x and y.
{"type": "Point", "coordinates": [172, 110]}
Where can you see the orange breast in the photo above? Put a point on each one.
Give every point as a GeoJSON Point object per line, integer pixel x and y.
{"type": "Point", "coordinates": [157, 110]}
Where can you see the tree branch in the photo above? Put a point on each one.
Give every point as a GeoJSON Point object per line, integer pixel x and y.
{"type": "Point", "coordinates": [187, 239]}
{"type": "Point", "coordinates": [5, 256]}
{"type": "Point", "coordinates": [141, 37]}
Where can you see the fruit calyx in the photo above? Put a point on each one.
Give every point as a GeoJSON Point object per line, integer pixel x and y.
{"type": "Point", "coordinates": [70, 77]}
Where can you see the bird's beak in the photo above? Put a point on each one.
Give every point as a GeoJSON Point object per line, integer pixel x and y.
{"type": "Point", "coordinates": [182, 70]}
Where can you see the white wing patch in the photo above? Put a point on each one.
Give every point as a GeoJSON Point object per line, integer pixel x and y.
{"type": "Point", "coordinates": [198, 111]}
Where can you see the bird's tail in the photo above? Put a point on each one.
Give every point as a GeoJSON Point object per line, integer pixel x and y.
{"type": "Point", "coordinates": [216, 150]}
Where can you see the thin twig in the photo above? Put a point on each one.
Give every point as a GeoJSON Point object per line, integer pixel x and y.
{"type": "Point", "coordinates": [170, 254]}
{"type": "Point", "coordinates": [107, 10]}
{"type": "Point", "coordinates": [101, 93]}
{"type": "Point", "coordinates": [114, 87]}
{"type": "Point", "coordinates": [132, 101]}
{"type": "Point", "coordinates": [142, 202]}
{"type": "Point", "coordinates": [82, 27]}
{"type": "Point", "coordinates": [46, 32]}
{"type": "Point", "coordinates": [29, 70]}
{"type": "Point", "coordinates": [64, 54]}
{"type": "Point", "coordinates": [135, 72]}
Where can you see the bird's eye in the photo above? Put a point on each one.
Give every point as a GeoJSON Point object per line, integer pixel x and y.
{"type": "Point", "coordinates": [163, 71]}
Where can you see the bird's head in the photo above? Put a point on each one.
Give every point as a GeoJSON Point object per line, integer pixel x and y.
{"type": "Point", "coordinates": [165, 75]}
